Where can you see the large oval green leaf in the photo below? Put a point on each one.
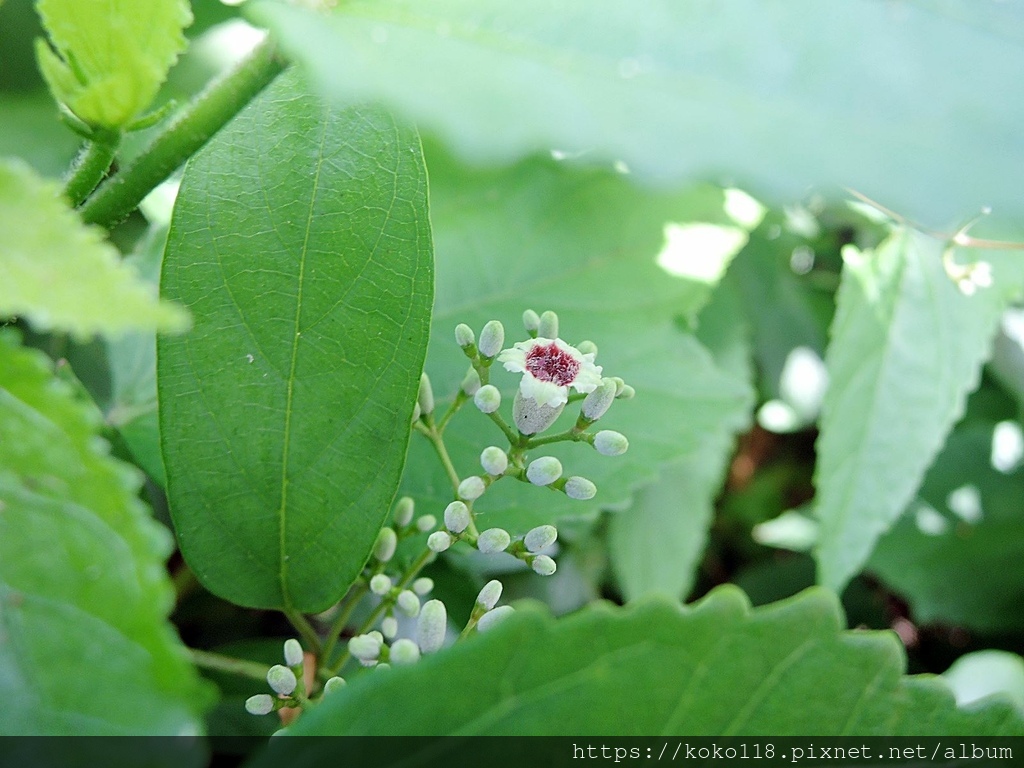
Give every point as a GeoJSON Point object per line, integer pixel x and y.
{"type": "Point", "coordinates": [301, 243]}
{"type": "Point", "coordinates": [716, 669]}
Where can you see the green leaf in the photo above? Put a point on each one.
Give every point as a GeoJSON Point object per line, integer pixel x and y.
{"type": "Point", "coordinates": [982, 674]}
{"type": "Point", "coordinates": [778, 94]}
{"type": "Point", "coordinates": [954, 555]}
{"type": "Point", "coordinates": [301, 242]}
{"type": "Point", "coordinates": [656, 545]}
{"type": "Point", "coordinates": [84, 597]}
{"type": "Point", "coordinates": [33, 132]}
{"type": "Point", "coordinates": [583, 244]}
{"type": "Point", "coordinates": [715, 669]}
{"type": "Point", "coordinates": [111, 55]}
{"type": "Point", "coordinates": [60, 274]}
{"type": "Point", "coordinates": [906, 348]}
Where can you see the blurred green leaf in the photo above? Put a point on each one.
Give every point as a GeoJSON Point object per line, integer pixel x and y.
{"type": "Point", "coordinates": [584, 244]}
{"type": "Point", "coordinates": [109, 57]}
{"type": "Point", "coordinates": [301, 242]}
{"type": "Point", "coordinates": [907, 346]}
{"type": "Point", "coordinates": [33, 133]}
{"type": "Point", "coordinates": [83, 592]}
{"type": "Point", "coordinates": [955, 553]}
{"type": "Point", "coordinates": [715, 669]}
{"type": "Point", "coordinates": [62, 275]}
{"type": "Point", "coordinates": [777, 94]}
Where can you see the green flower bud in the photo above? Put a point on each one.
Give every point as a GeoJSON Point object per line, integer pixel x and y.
{"type": "Point", "coordinates": [439, 541]}
{"type": "Point", "coordinates": [416, 412]}
{"type": "Point", "coordinates": [404, 510]}
{"type": "Point", "coordinates": [423, 585]}
{"type": "Point", "coordinates": [487, 398]}
{"type": "Point", "coordinates": [380, 584]}
{"type": "Point", "coordinates": [408, 603]}
{"type": "Point", "coordinates": [587, 347]}
{"type": "Point", "coordinates": [548, 328]}
{"type": "Point", "coordinates": [580, 488]}
{"type": "Point", "coordinates": [597, 403]}
{"type": "Point", "coordinates": [333, 685]}
{"type": "Point", "coordinates": [457, 517]}
{"type": "Point", "coordinates": [493, 540]}
{"type": "Point", "coordinates": [387, 541]}
{"type": "Point", "coordinates": [532, 417]}
{"type": "Point", "coordinates": [531, 321]}
{"type": "Point", "coordinates": [389, 627]}
{"type": "Point", "coordinates": [431, 626]}
{"type": "Point", "coordinates": [492, 338]}
{"type": "Point", "coordinates": [464, 336]}
{"type": "Point", "coordinates": [471, 382]}
{"type": "Point", "coordinates": [383, 667]}
{"type": "Point", "coordinates": [544, 471]}
{"type": "Point", "coordinates": [375, 634]}
{"type": "Point", "coordinates": [609, 443]}
{"type": "Point", "coordinates": [494, 460]}
{"type": "Point", "coordinates": [292, 652]}
{"type": "Point", "coordinates": [404, 651]}
{"type": "Point", "coordinates": [472, 488]}
{"type": "Point", "coordinates": [490, 594]}
{"type": "Point", "coordinates": [425, 397]}
{"type": "Point", "coordinates": [365, 647]}
{"type": "Point", "coordinates": [541, 537]}
{"type": "Point", "coordinates": [543, 565]}
{"type": "Point", "coordinates": [493, 618]}
{"type": "Point", "coordinates": [281, 679]}
{"type": "Point", "coordinates": [426, 523]}
{"type": "Point", "coordinates": [260, 704]}
{"type": "Point", "coordinates": [626, 393]}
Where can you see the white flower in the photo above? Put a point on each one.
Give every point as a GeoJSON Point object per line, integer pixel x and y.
{"type": "Point", "coordinates": [549, 368]}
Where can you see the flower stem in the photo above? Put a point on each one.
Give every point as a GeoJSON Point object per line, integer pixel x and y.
{"type": "Point", "coordinates": [574, 435]}
{"type": "Point", "coordinates": [222, 663]}
{"type": "Point", "coordinates": [513, 438]}
{"type": "Point", "coordinates": [341, 621]}
{"type": "Point", "coordinates": [225, 97]}
{"type": "Point", "coordinates": [304, 628]}
{"type": "Point", "coordinates": [437, 441]}
{"type": "Point", "coordinates": [91, 166]}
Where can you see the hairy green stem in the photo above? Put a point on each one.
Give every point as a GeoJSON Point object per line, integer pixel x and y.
{"type": "Point", "coordinates": [342, 620]}
{"type": "Point", "coordinates": [571, 434]}
{"type": "Point", "coordinates": [305, 629]}
{"type": "Point", "coordinates": [91, 166]}
{"type": "Point", "coordinates": [222, 663]}
{"type": "Point", "coordinates": [120, 194]}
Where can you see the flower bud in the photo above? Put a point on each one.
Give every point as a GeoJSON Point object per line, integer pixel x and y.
{"type": "Point", "coordinates": [377, 635]}
{"type": "Point", "coordinates": [548, 328]}
{"type": "Point", "coordinates": [532, 417]}
{"type": "Point", "coordinates": [408, 603]}
{"type": "Point", "coordinates": [487, 398]}
{"type": "Point", "coordinates": [492, 338]}
{"type": "Point", "coordinates": [416, 412]}
{"type": "Point", "coordinates": [471, 382]}
{"type": "Point", "coordinates": [424, 585]}
{"type": "Point", "coordinates": [281, 679]}
{"type": "Point", "coordinates": [597, 403]}
{"type": "Point", "coordinates": [431, 626]}
{"type": "Point", "coordinates": [493, 618]}
{"type": "Point", "coordinates": [619, 384]}
{"type": "Point", "coordinates": [464, 336]}
{"type": "Point", "coordinates": [439, 541]}
{"type": "Point", "coordinates": [587, 347]}
{"type": "Point", "coordinates": [580, 488]}
{"type": "Point", "coordinates": [380, 584]}
{"type": "Point", "coordinates": [609, 443]}
{"type": "Point", "coordinates": [490, 594]}
{"type": "Point", "coordinates": [531, 321]}
{"type": "Point", "coordinates": [260, 704]}
{"type": "Point", "coordinates": [457, 517]}
{"type": "Point", "coordinates": [364, 647]}
{"type": "Point", "coordinates": [426, 523]}
{"type": "Point", "coordinates": [626, 393]}
{"type": "Point", "coordinates": [544, 471]}
{"type": "Point", "coordinates": [494, 460]}
{"type": "Point", "coordinates": [387, 541]}
{"type": "Point", "coordinates": [404, 651]}
{"type": "Point", "coordinates": [472, 488]}
{"type": "Point", "coordinates": [425, 397]}
{"type": "Point", "coordinates": [541, 537]}
{"type": "Point", "coordinates": [292, 652]}
{"type": "Point", "coordinates": [389, 627]}
{"type": "Point", "coordinates": [333, 685]}
{"type": "Point", "coordinates": [404, 510]}
{"type": "Point", "coordinates": [493, 540]}
{"type": "Point", "coordinates": [543, 565]}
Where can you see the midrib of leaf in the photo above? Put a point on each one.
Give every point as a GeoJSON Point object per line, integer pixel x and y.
{"type": "Point", "coordinates": [290, 383]}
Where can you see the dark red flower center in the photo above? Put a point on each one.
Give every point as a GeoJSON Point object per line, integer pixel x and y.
{"type": "Point", "coordinates": [549, 363]}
